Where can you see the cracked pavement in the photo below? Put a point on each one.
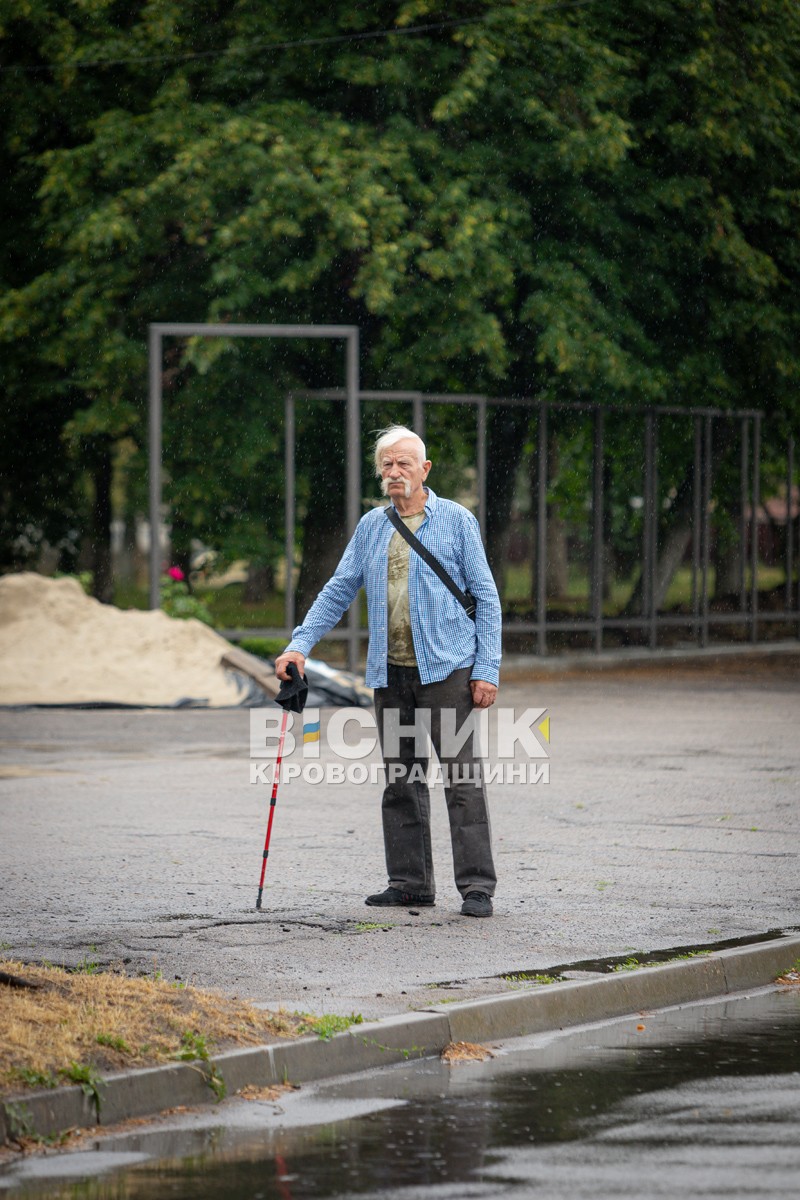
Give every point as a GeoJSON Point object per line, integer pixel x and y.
{"type": "Point", "coordinates": [671, 819]}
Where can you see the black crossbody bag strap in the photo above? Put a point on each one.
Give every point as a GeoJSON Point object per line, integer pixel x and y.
{"type": "Point", "coordinates": [464, 598]}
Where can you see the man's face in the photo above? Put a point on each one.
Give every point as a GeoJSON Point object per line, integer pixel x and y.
{"type": "Point", "coordinates": [402, 474]}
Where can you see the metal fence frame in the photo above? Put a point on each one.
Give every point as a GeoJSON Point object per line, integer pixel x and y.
{"type": "Point", "coordinates": [700, 620]}
{"type": "Point", "coordinates": [650, 619]}
{"type": "Point", "coordinates": [348, 333]}
{"type": "Point", "coordinates": [596, 624]}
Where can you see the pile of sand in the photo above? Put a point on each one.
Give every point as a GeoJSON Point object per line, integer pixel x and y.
{"type": "Point", "coordinates": [59, 646]}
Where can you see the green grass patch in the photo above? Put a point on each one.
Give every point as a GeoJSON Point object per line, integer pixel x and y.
{"type": "Point", "coordinates": [328, 1024]}
{"type": "Point", "coordinates": [35, 1079]}
{"type": "Point", "coordinates": [113, 1043]}
{"type": "Point", "coordinates": [87, 1078]}
{"type": "Point", "coordinates": [633, 963]}
{"type": "Point", "coordinates": [88, 966]}
{"type": "Point", "coordinates": [193, 1045]}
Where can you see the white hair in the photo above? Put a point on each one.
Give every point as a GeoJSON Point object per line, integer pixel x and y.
{"type": "Point", "coordinates": [395, 433]}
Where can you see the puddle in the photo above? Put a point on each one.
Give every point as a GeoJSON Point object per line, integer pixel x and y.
{"type": "Point", "coordinates": [77, 1165]}
{"type": "Point", "coordinates": [701, 1100]}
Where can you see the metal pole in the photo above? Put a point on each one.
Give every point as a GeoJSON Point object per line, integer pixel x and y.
{"type": "Point", "coordinates": [203, 329]}
{"type": "Point", "coordinates": [754, 529]}
{"type": "Point", "coordinates": [290, 510]}
{"type": "Point", "coordinates": [706, 527]}
{"type": "Point", "coordinates": [541, 533]}
{"type": "Point", "coordinates": [481, 456]}
{"type": "Point", "coordinates": [353, 434]}
{"type": "Point", "coordinates": [743, 498]}
{"type": "Point", "coordinates": [647, 549]}
{"type": "Point", "coordinates": [654, 535]}
{"type": "Point", "coordinates": [154, 451]}
{"type": "Point", "coordinates": [789, 522]}
{"type": "Point", "coordinates": [418, 417]}
{"type": "Point", "coordinates": [697, 533]}
{"type": "Point", "coordinates": [597, 530]}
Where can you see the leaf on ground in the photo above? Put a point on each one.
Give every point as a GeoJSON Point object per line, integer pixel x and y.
{"type": "Point", "coordinates": [251, 1092]}
{"type": "Point", "coordinates": [456, 1052]}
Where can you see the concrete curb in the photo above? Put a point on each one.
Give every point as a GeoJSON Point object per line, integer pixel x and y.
{"type": "Point", "coordinates": [394, 1039]}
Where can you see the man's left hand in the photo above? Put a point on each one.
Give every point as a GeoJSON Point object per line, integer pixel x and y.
{"type": "Point", "coordinates": [483, 693]}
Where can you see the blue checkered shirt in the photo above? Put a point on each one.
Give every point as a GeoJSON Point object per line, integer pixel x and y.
{"type": "Point", "coordinates": [445, 638]}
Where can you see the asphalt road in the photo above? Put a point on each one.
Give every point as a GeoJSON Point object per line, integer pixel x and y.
{"type": "Point", "coordinates": [671, 819]}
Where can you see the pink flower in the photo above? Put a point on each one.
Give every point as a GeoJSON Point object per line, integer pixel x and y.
{"type": "Point", "coordinates": [175, 573]}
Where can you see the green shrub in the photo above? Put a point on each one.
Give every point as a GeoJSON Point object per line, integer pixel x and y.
{"type": "Point", "coordinates": [263, 647]}
{"type": "Point", "coordinates": [177, 600]}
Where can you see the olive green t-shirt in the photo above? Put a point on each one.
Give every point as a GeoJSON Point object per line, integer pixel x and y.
{"type": "Point", "coordinates": [401, 641]}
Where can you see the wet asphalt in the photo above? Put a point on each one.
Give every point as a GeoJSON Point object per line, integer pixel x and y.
{"type": "Point", "coordinates": [671, 820]}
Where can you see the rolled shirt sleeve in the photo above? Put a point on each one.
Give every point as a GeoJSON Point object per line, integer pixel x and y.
{"type": "Point", "coordinates": [335, 597]}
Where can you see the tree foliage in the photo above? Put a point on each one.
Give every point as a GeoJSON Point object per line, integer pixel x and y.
{"type": "Point", "coordinates": [592, 200]}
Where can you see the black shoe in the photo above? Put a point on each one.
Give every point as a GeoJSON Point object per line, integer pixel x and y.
{"type": "Point", "coordinates": [476, 904]}
{"type": "Point", "coordinates": [394, 898]}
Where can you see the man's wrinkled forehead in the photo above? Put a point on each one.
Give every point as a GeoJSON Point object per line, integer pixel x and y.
{"type": "Point", "coordinates": [402, 448]}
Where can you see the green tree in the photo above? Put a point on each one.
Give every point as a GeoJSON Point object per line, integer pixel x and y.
{"type": "Point", "coordinates": [589, 201]}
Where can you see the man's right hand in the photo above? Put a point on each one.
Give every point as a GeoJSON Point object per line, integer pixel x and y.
{"type": "Point", "coordinates": [289, 656]}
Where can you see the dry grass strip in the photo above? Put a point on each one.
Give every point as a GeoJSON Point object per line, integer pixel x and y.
{"type": "Point", "coordinates": [108, 1022]}
{"type": "Point", "coordinates": [456, 1052]}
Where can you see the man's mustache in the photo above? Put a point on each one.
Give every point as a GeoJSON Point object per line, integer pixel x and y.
{"type": "Point", "coordinates": [406, 485]}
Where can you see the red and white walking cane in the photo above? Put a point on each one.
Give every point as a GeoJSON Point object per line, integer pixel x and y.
{"type": "Point", "coordinates": [292, 696]}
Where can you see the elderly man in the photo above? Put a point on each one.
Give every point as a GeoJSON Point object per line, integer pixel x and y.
{"type": "Point", "coordinates": [426, 655]}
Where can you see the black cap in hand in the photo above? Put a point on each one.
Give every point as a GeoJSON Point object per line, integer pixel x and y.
{"type": "Point", "coordinates": [293, 691]}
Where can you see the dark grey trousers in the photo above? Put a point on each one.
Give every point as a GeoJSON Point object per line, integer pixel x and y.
{"type": "Point", "coordinates": [406, 802]}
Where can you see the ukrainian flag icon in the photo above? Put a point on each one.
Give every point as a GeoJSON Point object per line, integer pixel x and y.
{"type": "Point", "coordinates": [311, 733]}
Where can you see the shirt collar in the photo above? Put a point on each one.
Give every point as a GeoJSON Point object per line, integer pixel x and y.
{"type": "Point", "coordinates": [431, 500]}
